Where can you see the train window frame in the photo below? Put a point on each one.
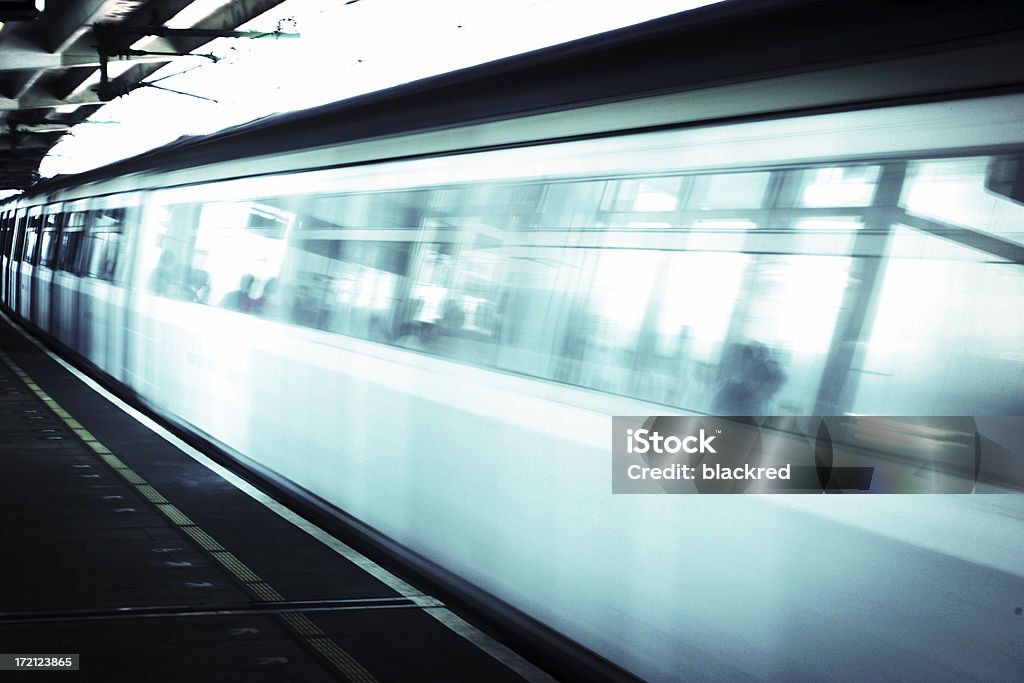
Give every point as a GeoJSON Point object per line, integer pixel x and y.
{"type": "Point", "coordinates": [4, 231]}
{"type": "Point", "coordinates": [49, 238]}
{"type": "Point", "coordinates": [8, 242]}
{"type": "Point", "coordinates": [32, 235]}
{"type": "Point", "coordinates": [103, 244]}
{"type": "Point", "coordinates": [70, 241]}
{"type": "Point", "coordinates": [21, 222]}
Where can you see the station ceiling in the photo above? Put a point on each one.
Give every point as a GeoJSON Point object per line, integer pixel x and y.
{"type": "Point", "coordinates": [50, 62]}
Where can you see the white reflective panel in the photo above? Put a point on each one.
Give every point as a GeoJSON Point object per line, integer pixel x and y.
{"type": "Point", "coordinates": [643, 195]}
{"type": "Point", "coordinates": [621, 290]}
{"type": "Point", "coordinates": [570, 205]}
{"type": "Point", "coordinates": [237, 243]}
{"type": "Point", "coordinates": [795, 301]}
{"type": "Point", "coordinates": [838, 186]}
{"type": "Point", "coordinates": [658, 195]}
{"type": "Point", "coordinates": [792, 309]}
{"type": "Point", "coordinates": [697, 303]}
{"type": "Point", "coordinates": [728, 191]}
{"type": "Point", "coordinates": [947, 333]}
{"type": "Point", "coordinates": [834, 234]}
{"type": "Point", "coordinates": [953, 191]}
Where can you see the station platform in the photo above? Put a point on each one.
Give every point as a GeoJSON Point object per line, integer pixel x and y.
{"type": "Point", "coordinates": [152, 564]}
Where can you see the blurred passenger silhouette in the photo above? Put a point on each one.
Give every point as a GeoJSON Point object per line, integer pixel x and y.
{"type": "Point", "coordinates": [240, 299]}
{"type": "Point", "coordinates": [750, 378]}
{"type": "Point", "coordinates": [199, 286]}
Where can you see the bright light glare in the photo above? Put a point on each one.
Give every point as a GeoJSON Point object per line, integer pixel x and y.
{"type": "Point", "coordinates": [194, 13]}
{"type": "Point", "coordinates": [344, 50]}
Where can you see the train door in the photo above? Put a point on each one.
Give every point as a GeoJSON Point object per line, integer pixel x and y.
{"type": "Point", "coordinates": [102, 293]}
{"type": "Point", "coordinates": [6, 250]}
{"type": "Point", "coordinates": [163, 249]}
{"type": "Point", "coordinates": [17, 249]}
{"type": "Point", "coordinates": [5, 233]}
{"type": "Point", "coordinates": [43, 285]}
{"type": "Point", "coordinates": [30, 258]}
{"type": "Point", "coordinates": [64, 287]}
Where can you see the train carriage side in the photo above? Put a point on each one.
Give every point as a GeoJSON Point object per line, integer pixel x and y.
{"type": "Point", "coordinates": [475, 328]}
{"type": "Point", "coordinates": [475, 318]}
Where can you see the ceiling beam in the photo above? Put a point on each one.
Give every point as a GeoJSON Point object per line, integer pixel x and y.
{"type": "Point", "coordinates": [23, 60]}
{"type": "Point", "coordinates": [43, 102]}
{"type": "Point", "coordinates": [79, 17]}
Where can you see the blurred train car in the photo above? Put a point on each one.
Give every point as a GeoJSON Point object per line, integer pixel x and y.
{"type": "Point", "coordinates": [419, 308]}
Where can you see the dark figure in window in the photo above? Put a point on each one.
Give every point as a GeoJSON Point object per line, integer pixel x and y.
{"type": "Point", "coordinates": [750, 383]}
{"type": "Point", "coordinates": [240, 299]}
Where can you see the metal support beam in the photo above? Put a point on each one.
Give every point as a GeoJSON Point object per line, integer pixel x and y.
{"type": "Point", "coordinates": [35, 102]}
{"type": "Point", "coordinates": [163, 32]}
{"type": "Point", "coordinates": [79, 16]}
{"type": "Point", "coordinates": [111, 39]}
{"type": "Point", "coordinates": [24, 60]}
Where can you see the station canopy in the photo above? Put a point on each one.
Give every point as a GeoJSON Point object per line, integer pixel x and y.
{"type": "Point", "coordinates": [61, 60]}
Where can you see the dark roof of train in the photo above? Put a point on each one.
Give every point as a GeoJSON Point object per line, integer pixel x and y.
{"type": "Point", "coordinates": [732, 41]}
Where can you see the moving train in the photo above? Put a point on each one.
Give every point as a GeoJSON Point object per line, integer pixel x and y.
{"type": "Point", "coordinates": [420, 308]}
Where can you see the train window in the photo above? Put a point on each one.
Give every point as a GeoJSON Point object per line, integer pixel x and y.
{"type": "Point", "coordinates": [46, 244]}
{"type": "Point", "coordinates": [236, 247]}
{"type": "Point", "coordinates": [329, 262]}
{"type": "Point", "coordinates": [569, 205]}
{"type": "Point", "coordinates": [604, 283]}
{"type": "Point", "coordinates": [499, 206]}
{"type": "Point", "coordinates": [575, 302]}
{"type": "Point", "coordinates": [344, 265]}
{"type": "Point", "coordinates": [32, 238]}
{"type": "Point", "coordinates": [832, 187]}
{"type": "Point", "coordinates": [48, 240]}
{"type": "Point", "coordinates": [935, 289]}
{"type": "Point", "coordinates": [484, 274]}
{"type": "Point", "coordinates": [102, 246]}
{"type": "Point", "coordinates": [19, 238]}
{"type": "Point", "coordinates": [727, 191]}
{"type": "Point", "coordinates": [70, 242]}
{"type": "Point", "coordinates": [165, 258]}
{"type": "Point", "coordinates": [954, 191]}
{"type": "Point", "coordinates": [266, 222]}
{"type": "Point", "coordinates": [1005, 176]}
{"type": "Point", "coordinates": [4, 231]}
{"type": "Point", "coordinates": [8, 238]}
{"type": "Point", "coordinates": [344, 286]}
{"type": "Point", "coordinates": [642, 195]}
{"type": "Point", "coordinates": [372, 210]}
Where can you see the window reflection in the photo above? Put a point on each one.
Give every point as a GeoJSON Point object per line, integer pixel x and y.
{"type": "Point", "coordinates": [775, 291]}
